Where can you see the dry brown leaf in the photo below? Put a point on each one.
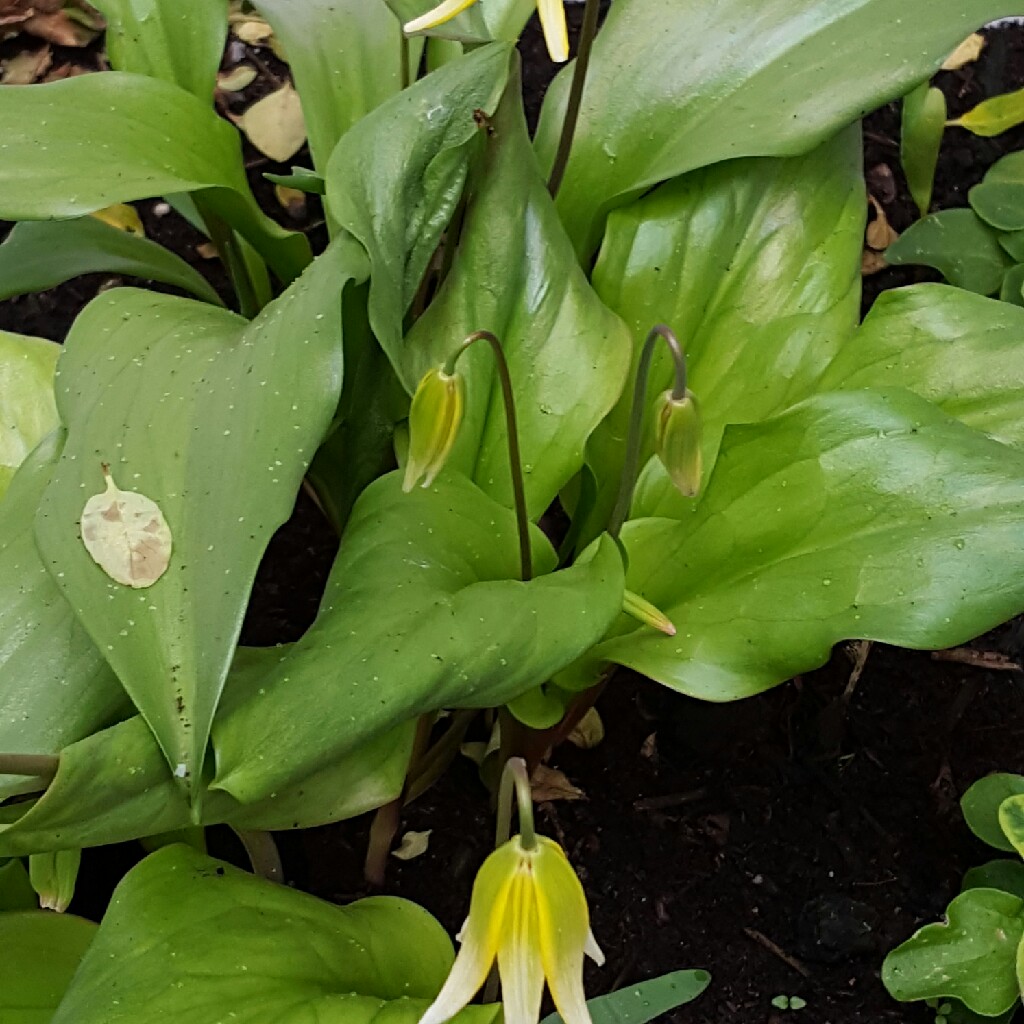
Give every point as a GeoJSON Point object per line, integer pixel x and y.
{"type": "Point", "coordinates": [60, 29]}
{"type": "Point", "coordinates": [413, 844]}
{"type": "Point", "coordinates": [549, 784]}
{"type": "Point", "coordinates": [872, 262]}
{"type": "Point", "coordinates": [292, 199]}
{"type": "Point", "coordinates": [880, 234]}
{"type": "Point", "coordinates": [27, 67]}
{"type": "Point", "coordinates": [207, 250]}
{"type": "Point", "coordinates": [254, 31]}
{"type": "Point", "coordinates": [966, 53]}
{"type": "Point", "coordinates": [237, 79]}
{"type": "Point", "coordinates": [589, 731]}
{"type": "Point", "coordinates": [275, 125]}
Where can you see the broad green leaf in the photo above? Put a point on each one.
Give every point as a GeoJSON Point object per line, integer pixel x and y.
{"type": "Point", "coordinates": [640, 1003]}
{"type": "Point", "coordinates": [568, 355]}
{"type": "Point", "coordinates": [397, 176]}
{"type": "Point", "coordinates": [190, 938]}
{"type": "Point", "coordinates": [55, 687]}
{"type": "Point", "coordinates": [957, 243]}
{"type": "Point", "coordinates": [1013, 243]}
{"type": "Point", "coordinates": [424, 611]}
{"type": "Point", "coordinates": [999, 199]}
{"type": "Point", "coordinates": [994, 116]}
{"type": "Point", "coordinates": [72, 147]}
{"type": "Point", "coordinates": [971, 956]}
{"type": "Point", "coordinates": [660, 99]}
{"type": "Point", "coordinates": [1011, 821]}
{"type": "Point", "coordinates": [855, 514]}
{"type": "Point", "coordinates": [16, 892]}
{"type": "Point", "coordinates": [38, 255]}
{"type": "Point", "coordinates": [958, 350]}
{"type": "Point", "coordinates": [1005, 875]}
{"type": "Point", "coordinates": [42, 951]}
{"type": "Point", "coordinates": [496, 19]}
{"type": "Point", "coordinates": [980, 806]}
{"type": "Point", "coordinates": [215, 420]}
{"type": "Point", "coordinates": [760, 310]}
{"type": "Point", "coordinates": [179, 41]}
{"type": "Point", "coordinates": [924, 121]}
{"type": "Point", "coordinates": [346, 59]}
{"type": "Point", "coordinates": [1012, 289]}
{"type": "Point", "coordinates": [27, 409]}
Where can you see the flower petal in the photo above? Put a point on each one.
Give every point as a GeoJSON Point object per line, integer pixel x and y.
{"type": "Point", "coordinates": [564, 925]}
{"type": "Point", "coordinates": [438, 16]}
{"type": "Point", "coordinates": [593, 950]}
{"type": "Point", "coordinates": [556, 33]}
{"type": "Point", "coordinates": [522, 975]}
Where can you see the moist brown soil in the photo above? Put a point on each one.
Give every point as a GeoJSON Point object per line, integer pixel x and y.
{"type": "Point", "coordinates": [784, 842]}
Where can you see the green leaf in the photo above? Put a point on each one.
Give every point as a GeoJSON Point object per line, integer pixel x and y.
{"type": "Point", "coordinates": [424, 609]}
{"type": "Point", "coordinates": [1012, 289]}
{"type": "Point", "coordinates": [38, 255]}
{"type": "Point", "coordinates": [994, 116]}
{"type": "Point", "coordinates": [855, 514]}
{"type": "Point", "coordinates": [970, 957]}
{"type": "Point", "coordinates": [42, 951]}
{"type": "Point", "coordinates": [924, 121]}
{"type": "Point", "coordinates": [1005, 875]}
{"type": "Point", "coordinates": [957, 243]}
{"type": "Point", "coordinates": [55, 687]}
{"type": "Point", "coordinates": [178, 41]}
{"type": "Point", "coordinates": [999, 199]}
{"type": "Point", "coordinates": [956, 349]}
{"type": "Point", "coordinates": [980, 806]}
{"type": "Point", "coordinates": [26, 393]}
{"type": "Point", "coordinates": [301, 178]}
{"type": "Point", "coordinates": [16, 892]}
{"type": "Point", "coordinates": [481, 23]}
{"type": "Point", "coordinates": [398, 174]}
{"type": "Point", "coordinates": [188, 937]}
{"type": "Point", "coordinates": [638, 1004]}
{"type": "Point", "coordinates": [215, 420]}
{"type": "Point", "coordinates": [660, 101]}
{"type": "Point", "coordinates": [72, 147]}
{"type": "Point", "coordinates": [775, 292]}
{"type": "Point", "coordinates": [568, 355]}
{"type": "Point", "coordinates": [1011, 821]}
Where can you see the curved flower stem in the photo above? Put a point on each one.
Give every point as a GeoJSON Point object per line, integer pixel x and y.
{"type": "Point", "coordinates": [262, 853]}
{"type": "Point", "coordinates": [572, 110]}
{"type": "Point", "coordinates": [631, 466]}
{"type": "Point", "coordinates": [515, 776]}
{"type": "Point", "coordinates": [514, 456]}
{"type": "Point", "coordinates": [40, 766]}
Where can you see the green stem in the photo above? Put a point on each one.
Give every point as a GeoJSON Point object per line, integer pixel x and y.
{"type": "Point", "coordinates": [631, 465]}
{"type": "Point", "coordinates": [262, 853]}
{"type": "Point", "coordinates": [514, 454]}
{"type": "Point", "coordinates": [227, 247]}
{"type": "Point", "coordinates": [572, 110]}
{"type": "Point", "coordinates": [406, 61]}
{"type": "Point", "coordinates": [40, 766]}
{"type": "Point", "coordinates": [515, 777]}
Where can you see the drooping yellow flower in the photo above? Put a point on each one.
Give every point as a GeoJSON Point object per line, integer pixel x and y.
{"type": "Point", "coordinates": [552, 19]}
{"type": "Point", "coordinates": [528, 910]}
{"type": "Point", "coordinates": [677, 440]}
{"type": "Point", "coordinates": [434, 420]}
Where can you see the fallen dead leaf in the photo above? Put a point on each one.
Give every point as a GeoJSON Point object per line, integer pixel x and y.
{"type": "Point", "coordinates": [72, 26]}
{"type": "Point", "coordinates": [207, 250]}
{"type": "Point", "coordinates": [237, 79]}
{"type": "Point", "coordinates": [966, 53]}
{"type": "Point", "coordinates": [589, 731]}
{"type": "Point", "coordinates": [27, 67]}
{"type": "Point", "coordinates": [880, 234]}
{"type": "Point", "coordinates": [275, 125]}
{"type": "Point", "coordinates": [872, 262]}
{"type": "Point", "coordinates": [550, 784]}
{"type": "Point", "coordinates": [413, 844]}
{"type": "Point", "coordinates": [122, 216]}
{"type": "Point", "coordinates": [292, 199]}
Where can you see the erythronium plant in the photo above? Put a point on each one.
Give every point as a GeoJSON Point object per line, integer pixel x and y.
{"type": "Point", "coordinates": [839, 480]}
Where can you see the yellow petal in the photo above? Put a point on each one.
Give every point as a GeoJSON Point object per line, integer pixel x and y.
{"type": "Point", "coordinates": [522, 975]}
{"type": "Point", "coordinates": [438, 16]}
{"type": "Point", "coordinates": [564, 925]}
{"type": "Point", "coordinates": [556, 33]}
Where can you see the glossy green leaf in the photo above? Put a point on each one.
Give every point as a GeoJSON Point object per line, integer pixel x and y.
{"type": "Point", "coordinates": [179, 41]}
{"type": "Point", "coordinates": [42, 951]}
{"type": "Point", "coordinates": [855, 514]}
{"type": "Point", "coordinates": [957, 243]}
{"type": "Point", "coordinates": [1011, 821]}
{"type": "Point", "coordinates": [345, 57]}
{"type": "Point", "coordinates": [16, 892]}
{"type": "Point", "coordinates": [1013, 243]}
{"type": "Point", "coordinates": [971, 957]}
{"type": "Point", "coordinates": [215, 420]}
{"type": "Point", "coordinates": [1005, 875]}
{"type": "Point", "coordinates": [924, 122]}
{"type": "Point", "coordinates": [55, 687]}
{"type": "Point", "coordinates": [999, 199]}
{"type": "Point", "coordinates": [980, 806]}
{"type": "Point", "coordinates": [771, 298]}
{"type": "Point", "coordinates": [398, 175]}
{"type": "Point", "coordinates": [958, 350]}
{"type": "Point", "coordinates": [642, 1002]}
{"type": "Point", "coordinates": [496, 19]}
{"type": "Point", "coordinates": [661, 100]}
{"type": "Point", "coordinates": [27, 409]}
{"type": "Point", "coordinates": [72, 147]}
{"type": "Point", "coordinates": [38, 255]}
{"type": "Point", "coordinates": [1012, 289]}
{"type": "Point", "coordinates": [191, 938]}
{"type": "Point", "coordinates": [994, 116]}
{"type": "Point", "coordinates": [568, 355]}
{"type": "Point", "coordinates": [424, 610]}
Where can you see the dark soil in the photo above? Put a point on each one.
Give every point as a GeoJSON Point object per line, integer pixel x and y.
{"type": "Point", "coordinates": [784, 843]}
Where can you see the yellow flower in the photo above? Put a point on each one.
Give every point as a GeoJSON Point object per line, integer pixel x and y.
{"type": "Point", "coordinates": [434, 420]}
{"type": "Point", "coordinates": [677, 438]}
{"type": "Point", "coordinates": [552, 19]}
{"type": "Point", "coordinates": [528, 911]}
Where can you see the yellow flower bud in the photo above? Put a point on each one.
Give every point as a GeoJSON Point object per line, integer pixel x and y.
{"type": "Point", "coordinates": [677, 435]}
{"type": "Point", "coordinates": [437, 409]}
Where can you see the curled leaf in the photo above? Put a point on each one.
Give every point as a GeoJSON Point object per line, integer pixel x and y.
{"type": "Point", "coordinates": [127, 535]}
{"type": "Point", "coordinates": [413, 844]}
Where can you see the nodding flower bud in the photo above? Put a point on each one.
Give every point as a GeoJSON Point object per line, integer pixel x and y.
{"type": "Point", "coordinates": [677, 434]}
{"type": "Point", "coordinates": [437, 409]}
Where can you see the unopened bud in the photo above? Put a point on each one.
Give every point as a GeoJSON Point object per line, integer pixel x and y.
{"type": "Point", "coordinates": [643, 611]}
{"type": "Point", "coordinates": [677, 433]}
{"type": "Point", "coordinates": [434, 420]}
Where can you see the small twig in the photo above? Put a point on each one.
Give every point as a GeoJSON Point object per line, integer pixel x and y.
{"type": "Point", "coordinates": [979, 659]}
{"type": "Point", "coordinates": [663, 803]}
{"type": "Point", "coordinates": [763, 940]}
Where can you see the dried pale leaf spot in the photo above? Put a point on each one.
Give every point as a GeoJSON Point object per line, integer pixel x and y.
{"type": "Point", "coordinates": [126, 535]}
